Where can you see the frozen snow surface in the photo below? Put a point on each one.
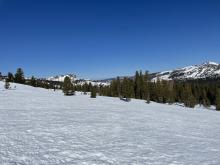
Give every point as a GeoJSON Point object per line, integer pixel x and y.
{"type": "Point", "coordinates": [43, 127]}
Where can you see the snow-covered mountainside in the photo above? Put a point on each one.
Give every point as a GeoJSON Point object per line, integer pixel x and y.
{"type": "Point", "coordinates": [39, 126]}
{"type": "Point", "coordinates": [61, 78]}
{"type": "Point", "coordinates": [205, 70]}
{"type": "Point", "coordinates": [75, 80]}
{"type": "Point", "coordinates": [93, 82]}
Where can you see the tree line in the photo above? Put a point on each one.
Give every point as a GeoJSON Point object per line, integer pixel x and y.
{"type": "Point", "coordinates": [190, 93]}
{"type": "Point", "coordinates": [19, 78]}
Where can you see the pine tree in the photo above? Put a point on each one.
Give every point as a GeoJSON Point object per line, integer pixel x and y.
{"type": "Point", "coordinates": [19, 76]}
{"type": "Point", "coordinates": [7, 84]}
{"type": "Point", "coordinates": [85, 88]}
{"type": "Point", "coordinates": [189, 99]}
{"type": "Point", "coordinates": [90, 87]}
{"type": "Point", "coordinates": [159, 93]}
{"type": "Point", "coordinates": [146, 91]}
{"type": "Point", "coordinates": [68, 88]}
{"type": "Point", "coordinates": [126, 90]}
{"type": "Point", "coordinates": [114, 88]}
{"type": "Point", "coordinates": [218, 99]}
{"type": "Point", "coordinates": [10, 77]}
{"type": "Point", "coordinates": [93, 92]}
{"type": "Point", "coordinates": [141, 81]}
{"type": "Point", "coordinates": [170, 92]}
{"type": "Point", "coordinates": [137, 85]}
{"type": "Point", "coordinates": [148, 98]}
{"type": "Point", "coordinates": [33, 82]}
{"type": "Point", "coordinates": [118, 82]}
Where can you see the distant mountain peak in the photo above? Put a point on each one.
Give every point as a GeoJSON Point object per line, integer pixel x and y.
{"type": "Point", "coordinates": [210, 63]}
{"type": "Point", "coordinates": [208, 69]}
{"type": "Point", "coordinates": [60, 78]}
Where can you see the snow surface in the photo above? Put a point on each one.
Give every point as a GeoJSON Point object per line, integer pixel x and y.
{"type": "Point", "coordinates": [39, 126]}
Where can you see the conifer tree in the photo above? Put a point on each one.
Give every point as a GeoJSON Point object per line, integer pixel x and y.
{"type": "Point", "coordinates": [146, 91]}
{"type": "Point", "coordinates": [137, 85]}
{"type": "Point", "coordinates": [118, 82]}
{"type": "Point", "coordinates": [148, 98]}
{"type": "Point", "coordinates": [126, 90]}
{"type": "Point", "coordinates": [189, 99]}
{"type": "Point", "coordinates": [33, 81]}
{"type": "Point", "coordinates": [85, 88]}
{"type": "Point", "coordinates": [170, 92]}
{"type": "Point", "coordinates": [141, 83]}
{"type": "Point", "coordinates": [19, 76]}
{"type": "Point", "coordinates": [90, 87]}
{"type": "Point", "coordinates": [7, 84]}
{"type": "Point", "coordinates": [10, 77]}
{"type": "Point", "coordinates": [114, 88]}
{"type": "Point", "coordinates": [159, 91]}
{"type": "Point", "coordinates": [68, 88]}
{"type": "Point", "coordinates": [93, 92]}
{"type": "Point", "coordinates": [218, 99]}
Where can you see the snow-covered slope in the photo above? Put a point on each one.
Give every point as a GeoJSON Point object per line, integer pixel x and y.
{"type": "Point", "coordinates": [205, 70]}
{"type": "Point", "coordinates": [39, 126]}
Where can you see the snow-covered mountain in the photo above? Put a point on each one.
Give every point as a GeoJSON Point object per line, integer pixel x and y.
{"type": "Point", "coordinates": [61, 78]}
{"type": "Point", "coordinates": [76, 80]}
{"type": "Point", "coordinates": [93, 82]}
{"type": "Point", "coordinates": [205, 70]}
{"type": "Point", "coordinates": [201, 71]}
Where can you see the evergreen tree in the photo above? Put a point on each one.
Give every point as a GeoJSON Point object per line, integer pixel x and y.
{"type": "Point", "coordinates": [146, 91]}
{"type": "Point", "coordinates": [159, 93]}
{"type": "Point", "coordinates": [7, 84]}
{"type": "Point", "coordinates": [19, 76]}
{"type": "Point", "coordinates": [114, 88]}
{"type": "Point", "coordinates": [218, 99]}
{"type": "Point", "coordinates": [142, 84]}
{"type": "Point", "coordinates": [85, 87]}
{"type": "Point", "coordinates": [137, 85]}
{"type": "Point", "coordinates": [33, 82]}
{"type": "Point", "coordinates": [126, 89]}
{"type": "Point", "coordinates": [93, 92]}
{"type": "Point", "coordinates": [170, 92]}
{"type": "Point", "coordinates": [10, 77]}
{"type": "Point", "coordinates": [148, 98]}
{"type": "Point", "coordinates": [189, 99]}
{"type": "Point", "coordinates": [90, 87]}
{"type": "Point", "coordinates": [118, 82]}
{"type": "Point", "coordinates": [68, 88]}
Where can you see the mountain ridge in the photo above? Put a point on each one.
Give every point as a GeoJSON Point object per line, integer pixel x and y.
{"type": "Point", "coordinates": [205, 70]}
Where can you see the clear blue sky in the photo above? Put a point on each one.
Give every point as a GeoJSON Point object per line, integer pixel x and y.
{"type": "Point", "coordinates": [106, 38]}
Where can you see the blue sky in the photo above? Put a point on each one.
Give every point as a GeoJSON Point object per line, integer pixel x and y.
{"type": "Point", "coordinates": [106, 38]}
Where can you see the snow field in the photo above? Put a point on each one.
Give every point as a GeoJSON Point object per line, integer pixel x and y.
{"type": "Point", "coordinates": [39, 126]}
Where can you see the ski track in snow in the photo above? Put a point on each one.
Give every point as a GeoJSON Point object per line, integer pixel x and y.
{"type": "Point", "coordinates": [43, 127]}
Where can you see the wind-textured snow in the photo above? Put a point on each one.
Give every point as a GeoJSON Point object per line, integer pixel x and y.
{"type": "Point", "coordinates": [39, 126]}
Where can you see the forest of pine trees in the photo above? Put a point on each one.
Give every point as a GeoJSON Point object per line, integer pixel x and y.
{"type": "Point", "coordinates": [190, 93]}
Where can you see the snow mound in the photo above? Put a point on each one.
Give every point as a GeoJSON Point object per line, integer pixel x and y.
{"type": "Point", "coordinates": [39, 126]}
